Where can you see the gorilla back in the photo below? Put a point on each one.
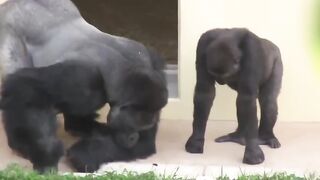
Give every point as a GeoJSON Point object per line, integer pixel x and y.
{"type": "Point", "coordinates": [39, 33]}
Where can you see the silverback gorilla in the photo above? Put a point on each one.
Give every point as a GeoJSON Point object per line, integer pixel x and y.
{"type": "Point", "coordinates": [250, 65]}
{"type": "Point", "coordinates": [53, 61]}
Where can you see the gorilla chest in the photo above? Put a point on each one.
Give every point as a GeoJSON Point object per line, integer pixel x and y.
{"type": "Point", "coordinates": [232, 82]}
{"type": "Point", "coordinates": [233, 85]}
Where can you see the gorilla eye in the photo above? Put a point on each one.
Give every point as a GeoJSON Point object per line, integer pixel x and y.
{"type": "Point", "coordinates": [236, 60]}
{"type": "Point", "coordinates": [131, 107]}
{"type": "Point", "coordinates": [138, 107]}
{"type": "Point", "coordinates": [128, 108]}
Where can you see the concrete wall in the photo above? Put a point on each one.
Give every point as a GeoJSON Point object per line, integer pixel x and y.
{"type": "Point", "coordinates": [286, 22]}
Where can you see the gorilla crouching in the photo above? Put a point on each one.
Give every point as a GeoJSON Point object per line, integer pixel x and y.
{"type": "Point", "coordinates": [32, 97]}
{"type": "Point", "coordinates": [250, 65]}
{"type": "Point", "coordinates": [74, 68]}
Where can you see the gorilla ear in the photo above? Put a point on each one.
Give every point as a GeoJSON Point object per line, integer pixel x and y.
{"type": "Point", "coordinates": [146, 88]}
{"type": "Point", "coordinates": [240, 34]}
{"type": "Point", "coordinates": [140, 77]}
{"type": "Point", "coordinates": [205, 39]}
{"type": "Point", "coordinates": [145, 79]}
{"type": "Point", "coordinates": [249, 44]}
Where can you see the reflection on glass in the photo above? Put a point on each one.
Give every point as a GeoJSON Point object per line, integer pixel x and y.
{"type": "Point", "coordinates": [152, 22]}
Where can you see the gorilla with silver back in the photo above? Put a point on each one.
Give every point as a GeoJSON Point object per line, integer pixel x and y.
{"type": "Point", "coordinates": [51, 34]}
{"type": "Point", "coordinates": [250, 65]}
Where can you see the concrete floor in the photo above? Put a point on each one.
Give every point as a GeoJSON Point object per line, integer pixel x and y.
{"type": "Point", "coordinates": [299, 151]}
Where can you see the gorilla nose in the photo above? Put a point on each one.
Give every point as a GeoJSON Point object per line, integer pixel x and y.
{"type": "Point", "coordinates": [219, 70]}
{"type": "Point", "coordinates": [133, 138]}
{"type": "Point", "coordinates": [127, 140]}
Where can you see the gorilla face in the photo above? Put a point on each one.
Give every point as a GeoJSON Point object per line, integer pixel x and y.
{"type": "Point", "coordinates": [128, 121]}
{"type": "Point", "coordinates": [130, 118]}
{"type": "Point", "coordinates": [127, 140]}
{"type": "Point", "coordinates": [223, 60]}
{"type": "Point", "coordinates": [141, 99]}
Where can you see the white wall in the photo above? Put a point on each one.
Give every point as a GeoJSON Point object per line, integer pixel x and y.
{"type": "Point", "coordinates": [285, 22]}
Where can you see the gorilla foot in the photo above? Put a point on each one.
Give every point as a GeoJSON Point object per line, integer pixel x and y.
{"type": "Point", "coordinates": [232, 137]}
{"type": "Point", "coordinates": [45, 169]}
{"type": "Point", "coordinates": [194, 145]}
{"type": "Point", "coordinates": [236, 137]}
{"type": "Point", "coordinates": [272, 142]}
{"type": "Point", "coordinates": [253, 155]}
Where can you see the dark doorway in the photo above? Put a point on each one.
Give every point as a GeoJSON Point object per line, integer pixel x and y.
{"type": "Point", "coordinates": [152, 22]}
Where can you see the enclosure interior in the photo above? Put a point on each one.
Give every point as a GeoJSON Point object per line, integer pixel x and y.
{"type": "Point", "coordinates": [152, 22]}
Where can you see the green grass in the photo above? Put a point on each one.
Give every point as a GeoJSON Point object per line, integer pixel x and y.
{"type": "Point", "coordinates": [276, 176]}
{"type": "Point", "coordinates": [15, 172]}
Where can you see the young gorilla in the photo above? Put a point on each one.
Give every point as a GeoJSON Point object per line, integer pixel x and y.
{"type": "Point", "coordinates": [250, 65]}
{"type": "Point", "coordinates": [32, 97]}
{"type": "Point", "coordinates": [89, 153]}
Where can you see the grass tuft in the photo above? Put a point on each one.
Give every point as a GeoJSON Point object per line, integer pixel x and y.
{"type": "Point", "coordinates": [15, 172]}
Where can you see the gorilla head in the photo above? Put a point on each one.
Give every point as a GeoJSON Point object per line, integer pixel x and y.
{"type": "Point", "coordinates": [223, 59]}
{"type": "Point", "coordinates": [142, 96]}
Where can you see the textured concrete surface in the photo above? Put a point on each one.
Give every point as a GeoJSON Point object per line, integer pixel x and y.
{"type": "Point", "coordinates": [299, 151]}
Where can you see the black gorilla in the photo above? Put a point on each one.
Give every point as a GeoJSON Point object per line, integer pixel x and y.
{"type": "Point", "coordinates": [89, 153]}
{"type": "Point", "coordinates": [250, 65]}
{"type": "Point", "coordinates": [74, 68]}
{"type": "Point", "coordinates": [31, 97]}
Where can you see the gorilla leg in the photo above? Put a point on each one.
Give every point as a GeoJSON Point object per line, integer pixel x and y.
{"type": "Point", "coordinates": [247, 115]}
{"type": "Point", "coordinates": [81, 125]}
{"type": "Point", "coordinates": [269, 110]}
{"type": "Point", "coordinates": [31, 132]}
{"type": "Point", "coordinates": [269, 107]}
{"type": "Point", "coordinates": [203, 99]}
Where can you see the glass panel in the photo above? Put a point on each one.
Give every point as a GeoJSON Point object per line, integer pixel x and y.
{"type": "Point", "coordinates": [152, 22]}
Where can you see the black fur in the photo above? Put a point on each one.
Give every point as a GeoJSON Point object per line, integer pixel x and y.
{"type": "Point", "coordinates": [250, 65]}
{"type": "Point", "coordinates": [104, 69]}
{"type": "Point", "coordinates": [89, 153]}
{"type": "Point", "coordinates": [31, 98]}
